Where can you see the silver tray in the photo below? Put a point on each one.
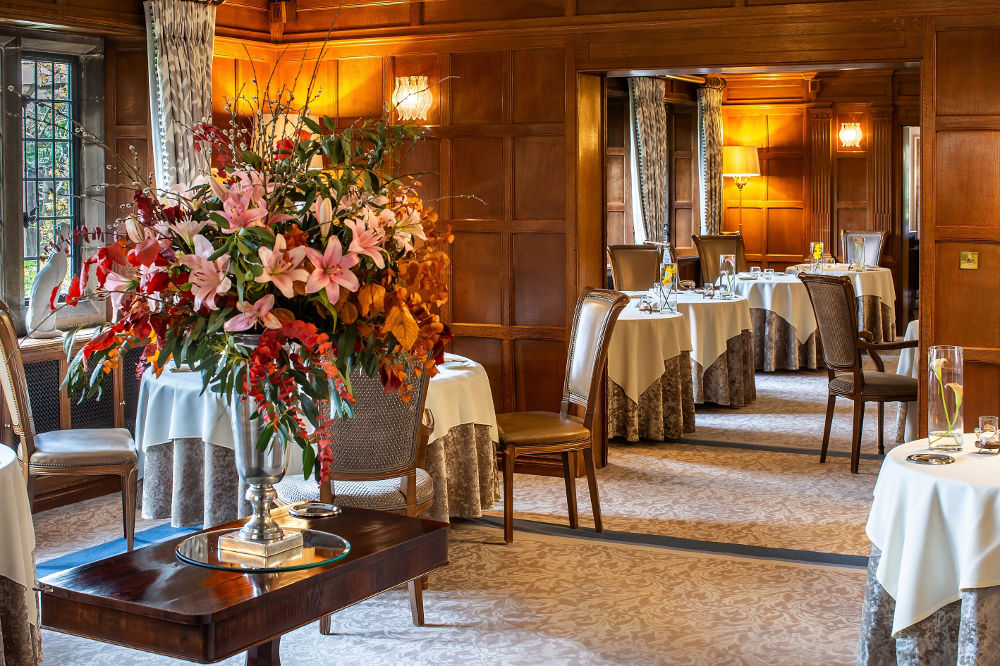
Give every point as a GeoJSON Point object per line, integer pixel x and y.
{"type": "Point", "coordinates": [313, 510]}
{"type": "Point", "coordinates": [930, 459]}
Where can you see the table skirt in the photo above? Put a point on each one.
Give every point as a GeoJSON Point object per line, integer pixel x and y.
{"type": "Point", "coordinates": [878, 318]}
{"type": "Point", "coordinates": [20, 637]}
{"type": "Point", "coordinates": [192, 483]}
{"type": "Point", "coordinates": [776, 345]}
{"type": "Point", "coordinates": [463, 465]}
{"type": "Point", "coordinates": [963, 632]}
{"type": "Point", "coordinates": [729, 381]}
{"type": "Point", "coordinates": [665, 410]}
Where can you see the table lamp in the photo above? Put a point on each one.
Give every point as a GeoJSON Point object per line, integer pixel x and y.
{"type": "Point", "coordinates": [740, 163]}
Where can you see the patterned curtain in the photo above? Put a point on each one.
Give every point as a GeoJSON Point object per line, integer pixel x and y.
{"type": "Point", "coordinates": [180, 39]}
{"type": "Point", "coordinates": [649, 119]}
{"type": "Point", "coordinates": [710, 154]}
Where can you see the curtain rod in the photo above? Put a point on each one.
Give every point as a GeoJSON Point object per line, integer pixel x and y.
{"type": "Point", "coordinates": [690, 78]}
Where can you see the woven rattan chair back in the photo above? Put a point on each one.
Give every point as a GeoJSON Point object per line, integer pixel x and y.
{"type": "Point", "coordinates": [711, 248]}
{"type": "Point", "coordinates": [874, 242]}
{"type": "Point", "coordinates": [634, 267]}
{"type": "Point", "coordinates": [13, 383]}
{"type": "Point", "coordinates": [383, 438]}
{"type": "Point", "coordinates": [835, 307]}
{"type": "Point", "coordinates": [596, 312]}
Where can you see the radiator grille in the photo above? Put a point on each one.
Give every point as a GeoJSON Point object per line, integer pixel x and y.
{"type": "Point", "coordinates": [95, 413]}
{"type": "Point", "coordinates": [42, 379]}
{"type": "Point", "coordinates": [130, 386]}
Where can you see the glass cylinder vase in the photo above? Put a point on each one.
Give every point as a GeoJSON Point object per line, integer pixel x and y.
{"type": "Point", "coordinates": [945, 426]}
{"type": "Point", "coordinates": [727, 275]}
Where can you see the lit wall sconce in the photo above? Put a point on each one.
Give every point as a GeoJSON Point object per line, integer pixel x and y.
{"type": "Point", "coordinates": [850, 135]}
{"type": "Point", "coordinates": [412, 98]}
{"type": "Point", "coordinates": [740, 163]}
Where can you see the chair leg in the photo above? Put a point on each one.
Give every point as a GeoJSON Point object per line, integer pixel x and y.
{"type": "Point", "coordinates": [831, 403]}
{"type": "Point", "coordinates": [569, 477]}
{"type": "Point", "coordinates": [509, 453]}
{"type": "Point", "coordinates": [881, 424]}
{"type": "Point", "coordinates": [859, 420]}
{"type": "Point", "coordinates": [417, 601]}
{"type": "Point", "coordinates": [130, 482]}
{"type": "Point", "coordinates": [595, 500]}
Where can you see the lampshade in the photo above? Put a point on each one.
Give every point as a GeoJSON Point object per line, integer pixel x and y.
{"type": "Point", "coordinates": [740, 161]}
{"type": "Point", "coordinates": [412, 97]}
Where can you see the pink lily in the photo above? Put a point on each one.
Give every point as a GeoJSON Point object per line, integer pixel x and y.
{"type": "Point", "coordinates": [117, 285]}
{"type": "Point", "coordinates": [208, 278]}
{"type": "Point", "coordinates": [366, 241]}
{"type": "Point", "coordinates": [236, 209]}
{"type": "Point", "coordinates": [253, 313]}
{"type": "Point", "coordinates": [281, 266]}
{"type": "Point", "coordinates": [332, 270]}
{"type": "Point", "coordinates": [409, 228]}
{"type": "Point", "coordinates": [323, 210]}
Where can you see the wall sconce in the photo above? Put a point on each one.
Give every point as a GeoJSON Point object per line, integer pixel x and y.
{"type": "Point", "coordinates": [412, 98]}
{"type": "Point", "coordinates": [740, 163]}
{"type": "Point", "coordinates": [850, 135]}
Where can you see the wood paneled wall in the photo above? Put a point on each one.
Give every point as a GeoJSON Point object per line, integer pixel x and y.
{"type": "Point", "coordinates": [126, 114]}
{"type": "Point", "coordinates": [961, 203]}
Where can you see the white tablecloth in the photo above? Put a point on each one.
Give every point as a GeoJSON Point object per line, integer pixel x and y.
{"type": "Point", "coordinates": [712, 322]}
{"type": "Point", "coordinates": [460, 394]}
{"type": "Point", "coordinates": [938, 527]}
{"type": "Point", "coordinates": [786, 296]}
{"type": "Point", "coordinates": [909, 367]}
{"type": "Point", "coordinates": [875, 281]}
{"type": "Point", "coordinates": [18, 543]}
{"type": "Point", "coordinates": [640, 344]}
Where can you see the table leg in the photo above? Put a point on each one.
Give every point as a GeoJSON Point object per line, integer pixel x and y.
{"type": "Point", "coordinates": [265, 654]}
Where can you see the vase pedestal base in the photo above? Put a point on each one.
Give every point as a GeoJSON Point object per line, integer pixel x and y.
{"type": "Point", "coordinates": [236, 543]}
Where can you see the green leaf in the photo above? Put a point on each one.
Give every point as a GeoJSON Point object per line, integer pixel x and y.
{"type": "Point", "coordinates": [252, 159]}
{"type": "Point", "coordinates": [311, 124]}
{"type": "Point", "coordinates": [266, 433]}
{"type": "Point", "coordinates": [308, 460]}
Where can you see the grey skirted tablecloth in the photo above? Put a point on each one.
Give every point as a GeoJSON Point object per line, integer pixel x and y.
{"type": "Point", "coordinates": [965, 632]}
{"type": "Point", "coordinates": [730, 379]}
{"type": "Point", "coordinates": [463, 466]}
{"type": "Point", "coordinates": [877, 317]}
{"type": "Point", "coordinates": [776, 345]}
{"type": "Point", "coordinates": [20, 637]}
{"type": "Point", "coordinates": [665, 409]}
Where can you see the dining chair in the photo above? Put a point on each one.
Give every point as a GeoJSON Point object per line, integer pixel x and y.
{"type": "Point", "coordinates": [74, 452]}
{"type": "Point", "coordinates": [378, 459]}
{"type": "Point", "coordinates": [711, 248]}
{"type": "Point", "coordinates": [566, 431]}
{"type": "Point", "coordinates": [874, 242]}
{"type": "Point", "coordinates": [835, 306]}
{"type": "Point", "coordinates": [634, 267]}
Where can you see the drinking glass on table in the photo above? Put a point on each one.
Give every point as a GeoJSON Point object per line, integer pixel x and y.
{"type": "Point", "coordinates": [988, 434]}
{"type": "Point", "coordinates": [768, 273]}
{"type": "Point", "coordinates": [755, 272]}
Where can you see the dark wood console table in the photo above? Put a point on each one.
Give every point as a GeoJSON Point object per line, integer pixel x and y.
{"type": "Point", "coordinates": [150, 601]}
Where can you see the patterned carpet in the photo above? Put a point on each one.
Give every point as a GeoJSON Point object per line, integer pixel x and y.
{"type": "Point", "coordinates": [554, 601]}
{"type": "Point", "coordinates": [748, 478]}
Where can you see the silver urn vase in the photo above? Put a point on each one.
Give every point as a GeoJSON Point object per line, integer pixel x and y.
{"type": "Point", "coordinates": [259, 470]}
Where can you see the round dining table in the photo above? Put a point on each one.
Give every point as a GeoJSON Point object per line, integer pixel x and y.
{"type": "Point", "coordinates": [785, 336]}
{"type": "Point", "coordinates": [649, 375]}
{"type": "Point", "coordinates": [722, 355]}
{"type": "Point", "coordinates": [20, 634]}
{"type": "Point", "coordinates": [876, 295]}
{"type": "Point", "coordinates": [933, 588]}
{"type": "Point", "coordinates": [189, 473]}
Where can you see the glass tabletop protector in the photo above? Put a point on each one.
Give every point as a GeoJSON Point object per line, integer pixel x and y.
{"type": "Point", "coordinates": [318, 549]}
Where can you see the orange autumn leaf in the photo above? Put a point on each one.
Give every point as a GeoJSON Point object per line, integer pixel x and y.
{"type": "Point", "coordinates": [371, 297]}
{"type": "Point", "coordinates": [348, 312]}
{"type": "Point", "coordinates": [403, 326]}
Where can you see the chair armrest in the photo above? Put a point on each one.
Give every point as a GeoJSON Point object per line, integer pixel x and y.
{"type": "Point", "coordinates": [887, 346]}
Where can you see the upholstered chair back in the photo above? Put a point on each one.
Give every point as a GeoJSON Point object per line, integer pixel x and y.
{"type": "Point", "coordinates": [13, 384]}
{"type": "Point", "coordinates": [874, 240]}
{"type": "Point", "coordinates": [835, 307]}
{"type": "Point", "coordinates": [634, 267]}
{"type": "Point", "coordinates": [594, 320]}
{"type": "Point", "coordinates": [711, 248]}
{"type": "Point", "coordinates": [383, 438]}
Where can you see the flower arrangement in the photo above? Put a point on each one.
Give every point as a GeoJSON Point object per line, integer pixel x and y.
{"type": "Point", "coordinates": [333, 268]}
{"type": "Point", "coordinates": [951, 417]}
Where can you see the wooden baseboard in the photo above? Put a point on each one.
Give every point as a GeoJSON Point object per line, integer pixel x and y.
{"type": "Point", "coordinates": [55, 491]}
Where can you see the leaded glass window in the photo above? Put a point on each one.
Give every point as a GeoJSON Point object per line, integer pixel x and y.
{"type": "Point", "coordinates": [48, 92]}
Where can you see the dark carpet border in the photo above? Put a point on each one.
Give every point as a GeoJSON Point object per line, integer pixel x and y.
{"type": "Point", "coordinates": [677, 543]}
{"type": "Point", "coordinates": [765, 447]}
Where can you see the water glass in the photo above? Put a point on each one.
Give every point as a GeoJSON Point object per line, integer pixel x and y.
{"type": "Point", "coordinates": [768, 273]}
{"type": "Point", "coordinates": [755, 272]}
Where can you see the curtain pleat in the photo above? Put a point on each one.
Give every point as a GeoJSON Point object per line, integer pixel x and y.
{"type": "Point", "coordinates": [650, 141]}
{"type": "Point", "coordinates": [710, 156]}
{"type": "Point", "coordinates": [180, 41]}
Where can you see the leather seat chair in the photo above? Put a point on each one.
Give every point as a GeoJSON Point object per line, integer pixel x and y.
{"type": "Point", "coordinates": [874, 242]}
{"type": "Point", "coordinates": [711, 248]}
{"type": "Point", "coordinates": [835, 305]}
{"type": "Point", "coordinates": [634, 267]}
{"type": "Point", "coordinates": [378, 460]}
{"type": "Point", "coordinates": [76, 452]}
{"type": "Point", "coordinates": [566, 431]}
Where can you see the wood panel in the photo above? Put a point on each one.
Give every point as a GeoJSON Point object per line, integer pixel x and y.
{"type": "Point", "coordinates": [453, 11]}
{"type": "Point", "coordinates": [684, 201]}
